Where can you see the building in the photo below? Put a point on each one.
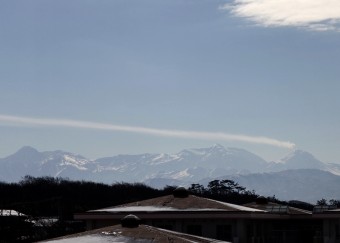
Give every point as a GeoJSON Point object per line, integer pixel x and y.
{"type": "Point", "coordinates": [181, 212]}
{"type": "Point", "coordinates": [14, 225]}
{"type": "Point", "coordinates": [330, 216]}
{"type": "Point", "coordinates": [284, 224]}
{"type": "Point", "coordinates": [131, 231]}
{"type": "Point", "coordinates": [256, 222]}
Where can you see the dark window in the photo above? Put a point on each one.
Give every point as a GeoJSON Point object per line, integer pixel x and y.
{"type": "Point", "coordinates": [224, 232]}
{"type": "Point", "coordinates": [194, 229]}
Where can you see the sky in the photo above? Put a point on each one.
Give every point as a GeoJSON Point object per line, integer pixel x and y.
{"type": "Point", "coordinates": [101, 78]}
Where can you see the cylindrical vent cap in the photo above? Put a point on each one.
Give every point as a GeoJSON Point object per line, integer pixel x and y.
{"type": "Point", "coordinates": [130, 221]}
{"type": "Point", "coordinates": [261, 200]}
{"type": "Point", "coordinates": [180, 192]}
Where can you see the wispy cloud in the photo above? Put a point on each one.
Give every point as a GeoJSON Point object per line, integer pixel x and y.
{"type": "Point", "coordinates": [312, 14]}
{"type": "Point", "coordinates": [220, 136]}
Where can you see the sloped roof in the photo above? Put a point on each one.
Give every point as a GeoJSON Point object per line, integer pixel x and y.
{"type": "Point", "coordinates": [142, 234]}
{"type": "Point", "coordinates": [171, 203]}
{"type": "Point", "coordinates": [334, 210]}
{"type": "Point", "coordinates": [278, 208]}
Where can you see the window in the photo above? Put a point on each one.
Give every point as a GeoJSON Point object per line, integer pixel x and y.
{"type": "Point", "coordinates": [224, 232]}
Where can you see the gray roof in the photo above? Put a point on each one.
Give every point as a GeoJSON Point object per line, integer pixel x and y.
{"type": "Point", "coordinates": [142, 234]}
{"type": "Point", "coordinates": [171, 203]}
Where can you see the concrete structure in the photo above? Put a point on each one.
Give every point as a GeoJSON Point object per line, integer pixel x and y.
{"type": "Point", "coordinates": [330, 217]}
{"type": "Point", "coordinates": [257, 222]}
{"type": "Point", "coordinates": [188, 214]}
{"type": "Point", "coordinates": [131, 231]}
{"type": "Point", "coordinates": [284, 224]}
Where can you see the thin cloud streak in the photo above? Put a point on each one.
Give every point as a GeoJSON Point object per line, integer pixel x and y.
{"type": "Point", "coordinates": [318, 15]}
{"type": "Point", "coordinates": [143, 130]}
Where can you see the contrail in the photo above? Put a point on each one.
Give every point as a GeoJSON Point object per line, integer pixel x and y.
{"type": "Point", "coordinates": [220, 136]}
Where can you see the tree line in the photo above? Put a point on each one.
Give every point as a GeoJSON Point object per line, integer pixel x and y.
{"type": "Point", "coordinates": [225, 190]}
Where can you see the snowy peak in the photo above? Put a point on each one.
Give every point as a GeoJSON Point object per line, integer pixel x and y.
{"type": "Point", "coordinates": [223, 159]}
{"type": "Point", "coordinates": [299, 159]}
{"type": "Point", "coordinates": [29, 161]}
{"type": "Point", "coordinates": [215, 149]}
{"type": "Point", "coordinates": [296, 155]}
{"type": "Point", "coordinates": [216, 153]}
{"type": "Point", "coordinates": [299, 169]}
{"type": "Point", "coordinates": [62, 159]}
{"type": "Point", "coordinates": [189, 165]}
{"type": "Point", "coordinates": [163, 158]}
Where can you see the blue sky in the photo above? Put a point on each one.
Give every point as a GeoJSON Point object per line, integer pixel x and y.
{"type": "Point", "coordinates": [234, 67]}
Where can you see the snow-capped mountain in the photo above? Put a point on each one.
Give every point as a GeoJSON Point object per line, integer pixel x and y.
{"type": "Point", "coordinates": [333, 168]}
{"type": "Point", "coordinates": [183, 168]}
{"type": "Point", "coordinates": [297, 159]}
{"type": "Point", "coordinates": [28, 161]}
{"type": "Point", "coordinates": [187, 165]}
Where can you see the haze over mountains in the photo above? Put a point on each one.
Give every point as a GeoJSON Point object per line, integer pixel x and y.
{"type": "Point", "coordinates": [299, 175]}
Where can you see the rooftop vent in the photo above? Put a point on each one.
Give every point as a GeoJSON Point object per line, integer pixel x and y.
{"type": "Point", "coordinates": [261, 200]}
{"type": "Point", "coordinates": [180, 192]}
{"type": "Point", "coordinates": [130, 221]}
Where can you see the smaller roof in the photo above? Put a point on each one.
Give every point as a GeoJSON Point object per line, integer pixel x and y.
{"type": "Point", "coordinates": [334, 210]}
{"type": "Point", "coordinates": [325, 208]}
{"type": "Point", "coordinates": [142, 234]}
{"type": "Point", "coordinates": [276, 208]}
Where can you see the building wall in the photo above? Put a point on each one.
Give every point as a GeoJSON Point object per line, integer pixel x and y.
{"type": "Point", "coordinates": [331, 230]}
{"type": "Point", "coordinates": [245, 230]}
{"type": "Point", "coordinates": [233, 230]}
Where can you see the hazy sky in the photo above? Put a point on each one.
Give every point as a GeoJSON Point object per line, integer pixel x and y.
{"type": "Point", "coordinates": [109, 77]}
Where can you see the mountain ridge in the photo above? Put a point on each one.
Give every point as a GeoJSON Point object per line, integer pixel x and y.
{"type": "Point", "coordinates": [156, 169]}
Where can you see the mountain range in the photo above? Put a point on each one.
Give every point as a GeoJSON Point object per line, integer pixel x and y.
{"type": "Point", "coordinates": [298, 176]}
